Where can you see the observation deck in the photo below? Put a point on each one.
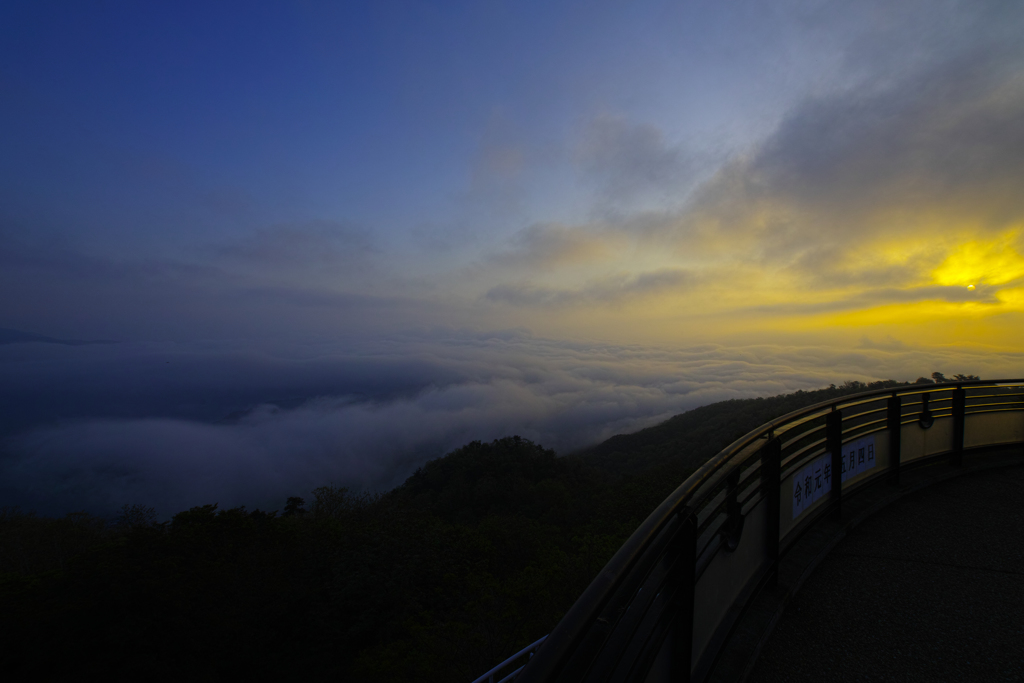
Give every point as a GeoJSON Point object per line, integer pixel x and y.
{"type": "Point", "coordinates": [930, 587]}
{"type": "Point", "coordinates": [816, 547]}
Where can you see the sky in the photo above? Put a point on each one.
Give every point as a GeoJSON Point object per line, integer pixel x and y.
{"type": "Point", "coordinates": [324, 242]}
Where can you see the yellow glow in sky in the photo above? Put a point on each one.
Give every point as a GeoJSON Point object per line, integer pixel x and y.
{"type": "Point", "coordinates": [977, 262]}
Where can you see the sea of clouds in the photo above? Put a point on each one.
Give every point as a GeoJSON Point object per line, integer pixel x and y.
{"type": "Point", "coordinates": [176, 425]}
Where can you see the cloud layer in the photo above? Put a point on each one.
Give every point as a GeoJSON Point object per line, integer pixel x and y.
{"type": "Point", "coordinates": [444, 391]}
{"type": "Point", "coordinates": [872, 208]}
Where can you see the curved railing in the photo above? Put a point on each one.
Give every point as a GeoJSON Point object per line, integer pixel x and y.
{"type": "Point", "coordinates": [498, 674]}
{"type": "Point", "coordinates": [662, 608]}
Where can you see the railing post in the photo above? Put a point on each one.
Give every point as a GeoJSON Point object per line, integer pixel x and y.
{"type": "Point", "coordinates": [771, 472]}
{"type": "Point", "coordinates": [682, 629]}
{"type": "Point", "coordinates": [925, 419]}
{"type": "Point", "coordinates": [959, 409]}
{"type": "Point", "coordinates": [733, 527]}
{"type": "Point", "coordinates": [893, 419]}
{"type": "Point", "coordinates": [834, 443]}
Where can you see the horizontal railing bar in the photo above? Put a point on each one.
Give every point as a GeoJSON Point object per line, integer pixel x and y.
{"type": "Point", "coordinates": [754, 468]}
{"type": "Point", "coordinates": [868, 424]}
{"type": "Point", "coordinates": [798, 454]}
{"type": "Point", "coordinates": [783, 428]}
{"type": "Point", "coordinates": [856, 416]}
{"type": "Point", "coordinates": [706, 536]}
{"type": "Point", "coordinates": [984, 407]}
{"type": "Point", "coordinates": [943, 403]}
{"type": "Point", "coordinates": [748, 503]}
{"type": "Point", "coordinates": [915, 419]}
{"type": "Point", "coordinates": [1019, 405]}
{"type": "Point", "coordinates": [997, 410]}
{"type": "Point", "coordinates": [513, 674]}
{"type": "Point", "coordinates": [708, 511]}
{"type": "Point", "coordinates": [801, 436]}
{"type": "Point", "coordinates": [712, 516]}
{"type": "Point", "coordinates": [746, 493]}
{"type": "Point", "coordinates": [511, 659]}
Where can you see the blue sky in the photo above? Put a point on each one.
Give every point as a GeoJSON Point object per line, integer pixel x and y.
{"type": "Point", "coordinates": [308, 195]}
{"type": "Point", "coordinates": [156, 129]}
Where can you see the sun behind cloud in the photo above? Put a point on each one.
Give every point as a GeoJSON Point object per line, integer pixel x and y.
{"type": "Point", "coordinates": [979, 262]}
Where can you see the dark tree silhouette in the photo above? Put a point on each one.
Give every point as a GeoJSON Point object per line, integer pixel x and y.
{"type": "Point", "coordinates": [294, 506]}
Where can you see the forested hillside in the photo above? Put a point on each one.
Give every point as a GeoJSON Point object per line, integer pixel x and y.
{"type": "Point", "coordinates": [690, 438]}
{"type": "Point", "coordinates": [475, 555]}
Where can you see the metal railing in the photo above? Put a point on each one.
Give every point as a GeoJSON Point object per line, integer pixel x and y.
{"type": "Point", "coordinates": [663, 606]}
{"type": "Point", "coordinates": [527, 651]}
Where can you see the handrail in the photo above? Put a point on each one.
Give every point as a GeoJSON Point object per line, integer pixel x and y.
{"type": "Point", "coordinates": [608, 613]}
{"type": "Point", "coordinates": [489, 676]}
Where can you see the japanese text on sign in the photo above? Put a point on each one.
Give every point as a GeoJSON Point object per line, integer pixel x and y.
{"type": "Point", "coordinates": [815, 479]}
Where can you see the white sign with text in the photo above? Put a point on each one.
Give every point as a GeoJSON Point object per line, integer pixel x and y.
{"type": "Point", "coordinates": [815, 479]}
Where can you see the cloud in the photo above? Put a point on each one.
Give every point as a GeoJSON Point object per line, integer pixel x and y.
{"type": "Point", "coordinates": [542, 246]}
{"type": "Point", "coordinates": [607, 290]}
{"type": "Point", "coordinates": [292, 283]}
{"type": "Point", "coordinates": [899, 191]}
{"type": "Point", "coordinates": [469, 386]}
{"type": "Point", "coordinates": [877, 297]}
{"type": "Point", "coordinates": [888, 344]}
{"type": "Point", "coordinates": [857, 199]}
{"type": "Point", "coordinates": [302, 245]}
{"type": "Point", "coordinates": [936, 154]}
{"type": "Point", "coordinates": [633, 161]}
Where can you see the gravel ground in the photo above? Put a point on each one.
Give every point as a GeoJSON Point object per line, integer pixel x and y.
{"type": "Point", "coordinates": [929, 589]}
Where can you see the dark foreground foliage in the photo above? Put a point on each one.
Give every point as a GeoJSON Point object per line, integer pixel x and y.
{"type": "Point", "coordinates": [476, 555]}
{"type": "Point", "coordinates": [410, 585]}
